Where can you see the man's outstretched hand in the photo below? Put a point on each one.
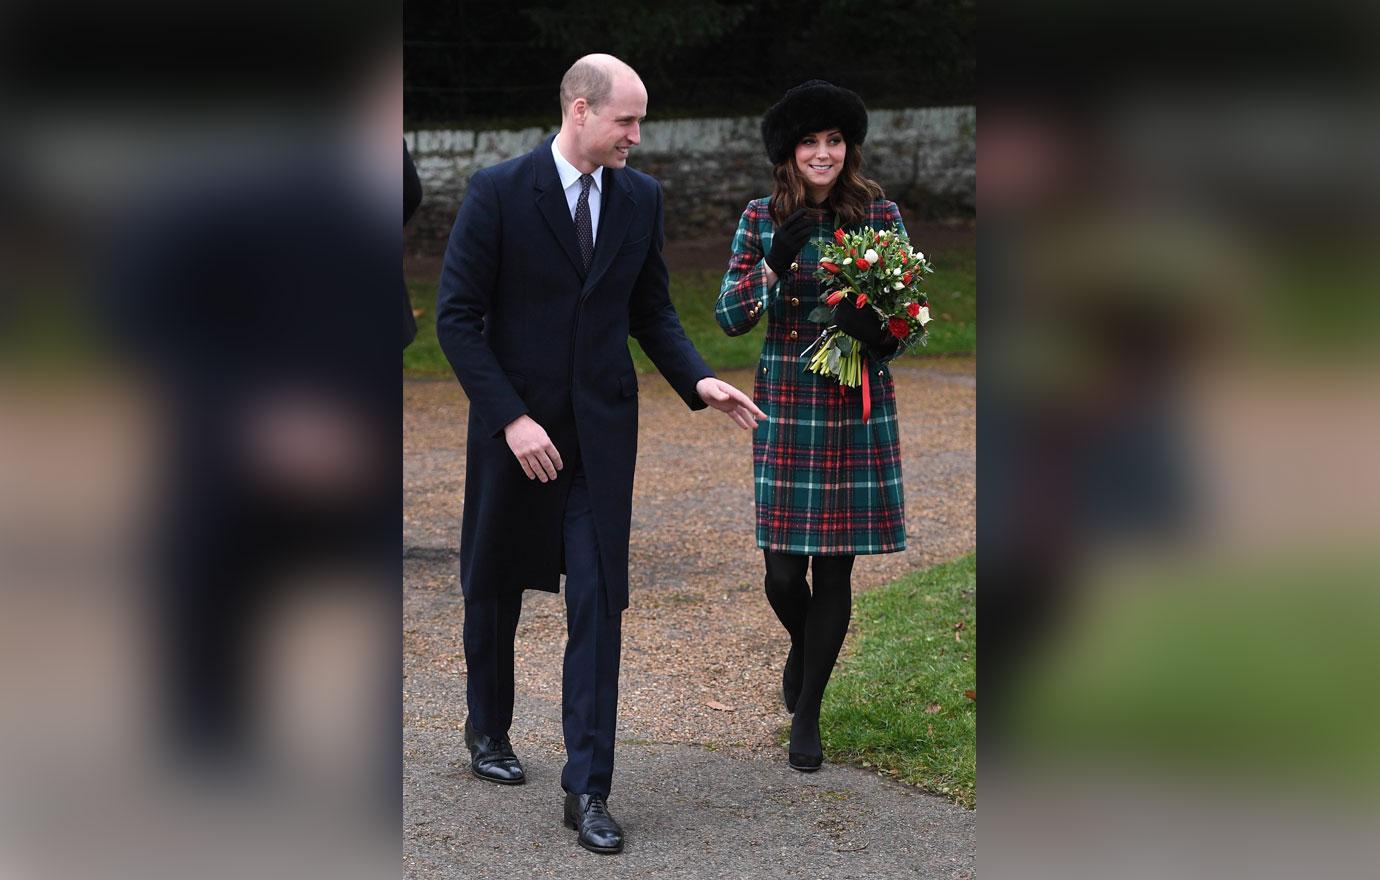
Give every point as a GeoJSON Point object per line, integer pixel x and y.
{"type": "Point", "coordinates": [727, 399]}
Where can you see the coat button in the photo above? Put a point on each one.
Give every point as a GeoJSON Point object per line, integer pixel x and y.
{"type": "Point", "coordinates": [795, 267]}
{"type": "Point", "coordinates": [764, 371]}
{"type": "Point", "coordinates": [795, 300]}
{"type": "Point", "coordinates": [794, 334]}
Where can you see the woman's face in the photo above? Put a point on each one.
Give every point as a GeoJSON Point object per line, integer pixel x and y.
{"type": "Point", "coordinates": [819, 159]}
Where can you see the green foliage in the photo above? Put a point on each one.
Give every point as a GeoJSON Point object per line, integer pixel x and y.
{"type": "Point", "coordinates": [469, 62]}
{"type": "Point", "coordinates": [632, 28]}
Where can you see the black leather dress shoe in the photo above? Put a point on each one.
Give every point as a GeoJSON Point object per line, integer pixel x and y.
{"type": "Point", "coordinates": [804, 763]}
{"type": "Point", "coordinates": [492, 758]}
{"type": "Point", "coordinates": [589, 814]}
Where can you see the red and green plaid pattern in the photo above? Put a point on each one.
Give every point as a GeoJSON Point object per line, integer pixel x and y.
{"type": "Point", "coordinates": [826, 483]}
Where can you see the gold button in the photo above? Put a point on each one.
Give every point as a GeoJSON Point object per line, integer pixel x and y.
{"type": "Point", "coordinates": [764, 371]}
{"type": "Point", "coordinates": [795, 267]}
{"type": "Point", "coordinates": [795, 300]}
{"type": "Point", "coordinates": [794, 334]}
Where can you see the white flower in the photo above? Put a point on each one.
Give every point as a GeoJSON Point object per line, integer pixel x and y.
{"type": "Point", "coordinates": [924, 315]}
{"type": "Point", "coordinates": [896, 272]}
{"type": "Point", "coordinates": [847, 261]}
{"type": "Point", "coordinates": [919, 256]}
{"type": "Point", "coordinates": [896, 285]}
{"type": "Point", "coordinates": [870, 256]}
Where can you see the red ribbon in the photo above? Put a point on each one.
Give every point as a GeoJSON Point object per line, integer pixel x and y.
{"type": "Point", "coordinates": [866, 392]}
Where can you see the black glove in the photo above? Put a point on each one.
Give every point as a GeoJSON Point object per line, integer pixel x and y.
{"type": "Point", "coordinates": [863, 324]}
{"type": "Point", "coordinates": [788, 239]}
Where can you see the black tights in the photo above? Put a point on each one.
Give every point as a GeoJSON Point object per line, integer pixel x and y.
{"type": "Point", "coordinates": [817, 621]}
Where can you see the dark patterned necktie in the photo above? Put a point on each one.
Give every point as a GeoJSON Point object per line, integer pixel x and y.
{"type": "Point", "coordinates": [584, 229]}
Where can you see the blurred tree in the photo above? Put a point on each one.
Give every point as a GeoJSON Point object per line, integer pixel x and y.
{"type": "Point", "coordinates": [470, 62]}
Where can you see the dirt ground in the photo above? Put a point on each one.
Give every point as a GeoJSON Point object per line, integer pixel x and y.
{"type": "Point", "coordinates": [702, 651]}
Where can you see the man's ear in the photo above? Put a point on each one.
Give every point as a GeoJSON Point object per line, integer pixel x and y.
{"type": "Point", "coordinates": [578, 109]}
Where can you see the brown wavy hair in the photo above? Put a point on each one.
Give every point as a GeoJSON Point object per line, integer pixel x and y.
{"type": "Point", "coordinates": [850, 196]}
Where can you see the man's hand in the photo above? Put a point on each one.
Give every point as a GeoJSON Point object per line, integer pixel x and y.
{"type": "Point", "coordinates": [727, 399]}
{"type": "Point", "coordinates": [533, 449]}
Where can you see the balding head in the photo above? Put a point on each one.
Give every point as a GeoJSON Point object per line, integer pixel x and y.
{"type": "Point", "coordinates": [603, 103]}
{"type": "Point", "coordinates": [592, 78]}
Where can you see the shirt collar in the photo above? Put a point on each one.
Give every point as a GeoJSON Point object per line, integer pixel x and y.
{"type": "Point", "coordinates": [569, 174]}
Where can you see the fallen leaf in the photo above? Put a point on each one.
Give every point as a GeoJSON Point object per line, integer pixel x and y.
{"type": "Point", "coordinates": [715, 704]}
{"type": "Point", "coordinates": [933, 708]}
{"type": "Point", "coordinates": [972, 695]}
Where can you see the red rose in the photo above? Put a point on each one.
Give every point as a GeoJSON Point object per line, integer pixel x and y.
{"type": "Point", "coordinates": [905, 279]}
{"type": "Point", "coordinates": [899, 327]}
{"type": "Point", "coordinates": [830, 267]}
{"type": "Point", "coordinates": [838, 236]}
{"type": "Point", "coordinates": [861, 264]}
{"type": "Point", "coordinates": [834, 298]}
{"type": "Point", "coordinates": [914, 310]}
{"type": "Point", "coordinates": [861, 301]}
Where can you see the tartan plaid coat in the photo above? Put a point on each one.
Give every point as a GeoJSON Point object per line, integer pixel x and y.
{"type": "Point", "coordinates": [826, 482]}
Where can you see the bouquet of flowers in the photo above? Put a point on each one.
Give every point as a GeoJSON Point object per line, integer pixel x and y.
{"type": "Point", "coordinates": [867, 269]}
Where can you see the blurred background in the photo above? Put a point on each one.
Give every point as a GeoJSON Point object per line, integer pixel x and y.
{"type": "Point", "coordinates": [199, 580]}
{"type": "Point", "coordinates": [1178, 417]}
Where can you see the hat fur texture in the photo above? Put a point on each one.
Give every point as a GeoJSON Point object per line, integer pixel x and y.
{"type": "Point", "coordinates": [812, 106]}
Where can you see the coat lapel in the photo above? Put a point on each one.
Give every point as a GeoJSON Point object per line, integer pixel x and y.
{"type": "Point", "coordinates": [552, 204]}
{"type": "Point", "coordinates": [615, 213]}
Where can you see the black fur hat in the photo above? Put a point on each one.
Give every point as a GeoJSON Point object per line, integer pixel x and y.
{"type": "Point", "coordinates": [812, 106]}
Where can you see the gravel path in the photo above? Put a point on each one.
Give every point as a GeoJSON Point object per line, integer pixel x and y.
{"type": "Point", "coordinates": [701, 789]}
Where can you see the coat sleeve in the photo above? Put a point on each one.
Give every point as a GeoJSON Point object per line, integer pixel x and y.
{"type": "Point", "coordinates": [468, 278]}
{"type": "Point", "coordinates": [892, 215]}
{"type": "Point", "coordinates": [744, 293]}
{"type": "Point", "coordinates": [653, 322]}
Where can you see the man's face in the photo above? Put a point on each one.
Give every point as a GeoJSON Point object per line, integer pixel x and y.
{"type": "Point", "coordinates": [610, 132]}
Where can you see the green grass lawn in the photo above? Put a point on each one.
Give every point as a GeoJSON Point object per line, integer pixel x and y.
{"type": "Point", "coordinates": [953, 303]}
{"type": "Point", "coordinates": [896, 701]}
{"type": "Point", "coordinates": [1252, 672]}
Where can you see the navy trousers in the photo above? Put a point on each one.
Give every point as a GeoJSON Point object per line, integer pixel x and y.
{"type": "Point", "coordinates": [589, 699]}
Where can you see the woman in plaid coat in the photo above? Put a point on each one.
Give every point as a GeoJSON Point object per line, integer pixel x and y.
{"type": "Point", "coordinates": [828, 484]}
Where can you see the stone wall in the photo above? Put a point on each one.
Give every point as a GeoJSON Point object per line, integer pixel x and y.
{"type": "Point", "coordinates": [925, 158]}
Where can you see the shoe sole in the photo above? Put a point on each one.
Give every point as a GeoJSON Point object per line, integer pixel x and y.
{"type": "Point", "coordinates": [477, 775]}
{"type": "Point", "coordinates": [601, 850]}
{"type": "Point", "coordinates": [804, 769]}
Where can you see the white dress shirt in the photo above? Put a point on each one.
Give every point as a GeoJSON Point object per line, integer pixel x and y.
{"type": "Point", "coordinates": [570, 181]}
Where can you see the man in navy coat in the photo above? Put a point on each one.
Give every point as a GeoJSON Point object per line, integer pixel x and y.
{"type": "Point", "coordinates": [554, 260]}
